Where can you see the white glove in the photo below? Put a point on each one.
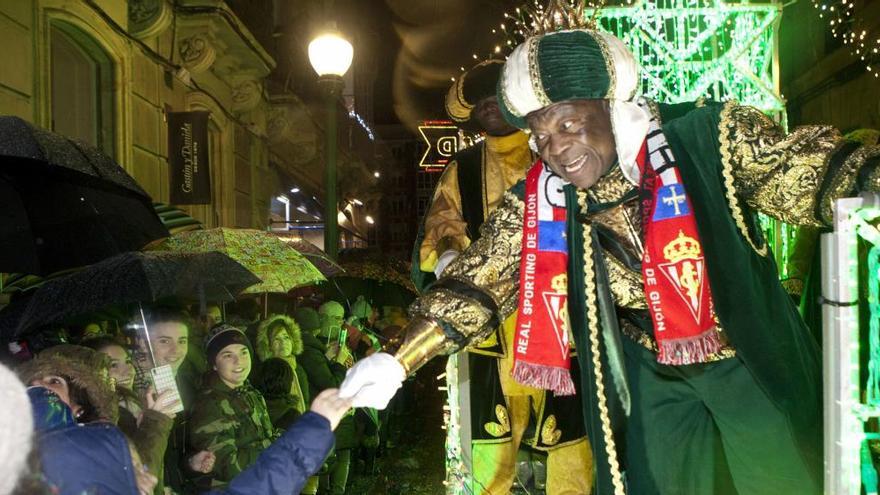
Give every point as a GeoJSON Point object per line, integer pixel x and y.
{"type": "Point", "coordinates": [373, 381]}
{"type": "Point", "coordinates": [444, 260]}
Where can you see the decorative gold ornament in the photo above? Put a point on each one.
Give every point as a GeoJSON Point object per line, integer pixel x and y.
{"type": "Point", "coordinates": [502, 427]}
{"type": "Point", "coordinates": [562, 15]}
{"type": "Point", "coordinates": [549, 434]}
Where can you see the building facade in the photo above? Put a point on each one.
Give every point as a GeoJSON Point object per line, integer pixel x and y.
{"type": "Point", "coordinates": [108, 72]}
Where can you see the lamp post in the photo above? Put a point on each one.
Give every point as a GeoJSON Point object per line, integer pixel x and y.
{"type": "Point", "coordinates": [330, 55]}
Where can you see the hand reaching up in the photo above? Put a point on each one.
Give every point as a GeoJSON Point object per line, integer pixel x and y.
{"type": "Point", "coordinates": [330, 405]}
{"type": "Point", "coordinates": [373, 381]}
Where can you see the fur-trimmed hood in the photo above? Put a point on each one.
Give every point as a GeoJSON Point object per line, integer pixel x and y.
{"type": "Point", "coordinates": [263, 347]}
{"type": "Point", "coordinates": [82, 365]}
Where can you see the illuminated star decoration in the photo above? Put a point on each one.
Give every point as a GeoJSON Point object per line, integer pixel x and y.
{"type": "Point", "coordinates": [688, 49]}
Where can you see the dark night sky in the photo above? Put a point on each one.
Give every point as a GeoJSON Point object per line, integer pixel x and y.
{"type": "Point", "coordinates": [421, 44]}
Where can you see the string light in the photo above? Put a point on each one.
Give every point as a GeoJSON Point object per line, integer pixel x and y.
{"type": "Point", "coordinates": [366, 127]}
{"type": "Point", "coordinates": [850, 29]}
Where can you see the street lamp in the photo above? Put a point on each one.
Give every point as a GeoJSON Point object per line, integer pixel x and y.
{"type": "Point", "coordinates": [330, 55]}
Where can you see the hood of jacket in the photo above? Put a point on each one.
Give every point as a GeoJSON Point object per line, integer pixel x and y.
{"type": "Point", "coordinates": [82, 365]}
{"type": "Point", "coordinates": [264, 347]}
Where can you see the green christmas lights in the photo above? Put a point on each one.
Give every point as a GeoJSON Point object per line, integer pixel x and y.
{"type": "Point", "coordinates": [850, 405]}
{"type": "Point", "coordinates": [458, 479]}
{"type": "Point", "coordinates": [692, 49]}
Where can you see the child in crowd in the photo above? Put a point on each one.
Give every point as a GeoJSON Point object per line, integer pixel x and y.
{"type": "Point", "coordinates": [96, 458]}
{"type": "Point", "coordinates": [230, 417]}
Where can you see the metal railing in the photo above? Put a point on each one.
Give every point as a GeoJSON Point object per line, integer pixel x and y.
{"type": "Point", "coordinates": [848, 463]}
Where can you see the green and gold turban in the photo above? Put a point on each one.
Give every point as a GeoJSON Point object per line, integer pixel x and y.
{"type": "Point", "coordinates": [477, 83]}
{"type": "Point", "coordinates": [572, 65]}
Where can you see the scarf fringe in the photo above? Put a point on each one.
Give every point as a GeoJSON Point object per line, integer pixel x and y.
{"type": "Point", "coordinates": [544, 377]}
{"type": "Point", "coordinates": [690, 350]}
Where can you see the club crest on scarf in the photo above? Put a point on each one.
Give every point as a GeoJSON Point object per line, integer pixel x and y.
{"type": "Point", "coordinates": [556, 301]}
{"type": "Point", "coordinates": [685, 271]}
{"type": "Point", "coordinates": [679, 297]}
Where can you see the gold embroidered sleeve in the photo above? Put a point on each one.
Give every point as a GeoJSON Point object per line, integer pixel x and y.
{"type": "Point", "coordinates": [796, 177]}
{"type": "Point", "coordinates": [480, 287]}
{"type": "Point", "coordinates": [445, 227]}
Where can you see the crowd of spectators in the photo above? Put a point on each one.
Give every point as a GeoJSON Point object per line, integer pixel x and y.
{"type": "Point", "coordinates": [258, 394]}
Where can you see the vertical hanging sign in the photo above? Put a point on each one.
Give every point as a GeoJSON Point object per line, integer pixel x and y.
{"type": "Point", "coordinates": [190, 174]}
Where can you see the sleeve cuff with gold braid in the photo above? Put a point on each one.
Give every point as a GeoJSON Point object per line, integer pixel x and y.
{"type": "Point", "coordinates": [424, 340]}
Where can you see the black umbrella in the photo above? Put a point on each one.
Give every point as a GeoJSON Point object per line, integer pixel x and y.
{"type": "Point", "coordinates": [65, 204]}
{"type": "Point", "coordinates": [130, 278]}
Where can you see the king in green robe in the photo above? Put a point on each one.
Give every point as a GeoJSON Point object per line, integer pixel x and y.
{"type": "Point", "coordinates": [746, 418]}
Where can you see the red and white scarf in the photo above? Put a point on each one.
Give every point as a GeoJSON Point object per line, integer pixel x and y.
{"type": "Point", "coordinates": [674, 272]}
{"type": "Point", "coordinates": [541, 357]}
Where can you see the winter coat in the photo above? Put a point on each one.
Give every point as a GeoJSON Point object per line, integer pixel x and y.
{"type": "Point", "coordinates": [92, 458]}
{"type": "Point", "coordinates": [288, 463]}
{"type": "Point", "coordinates": [81, 365]}
{"type": "Point", "coordinates": [282, 410]}
{"type": "Point", "coordinates": [232, 423]}
{"type": "Point", "coordinates": [150, 437]}
{"type": "Point", "coordinates": [176, 475]}
{"type": "Point", "coordinates": [321, 372]}
{"type": "Point", "coordinates": [48, 411]}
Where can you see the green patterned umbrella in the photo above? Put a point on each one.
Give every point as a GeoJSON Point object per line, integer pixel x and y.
{"type": "Point", "coordinates": [278, 266]}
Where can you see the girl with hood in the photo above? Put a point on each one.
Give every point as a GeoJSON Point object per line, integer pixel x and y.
{"type": "Point", "coordinates": [71, 385]}
{"type": "Point", "coordinates": [280, 337]}
{"type": "Point", "coordinates": [80, 377]}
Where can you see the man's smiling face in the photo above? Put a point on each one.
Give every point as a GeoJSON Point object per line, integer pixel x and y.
{"type": "Point", "coordinates": [575, 139]}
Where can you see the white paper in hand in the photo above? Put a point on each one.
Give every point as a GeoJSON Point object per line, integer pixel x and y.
{"type": "Point", "coordinates": [373, 381]}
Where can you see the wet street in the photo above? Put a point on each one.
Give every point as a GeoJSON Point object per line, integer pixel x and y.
{"type": "Point", "coordinates": [414, 462]}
